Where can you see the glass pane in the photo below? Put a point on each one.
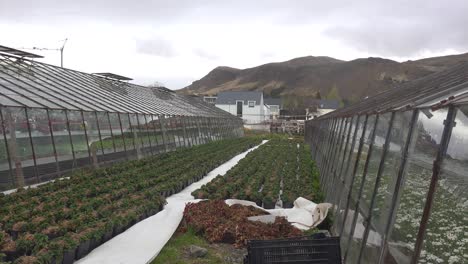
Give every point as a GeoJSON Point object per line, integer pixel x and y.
{"type": "Point", "coordinates": [58, 121]}
{"type": "Point", "coordinates": [343, 193]}
{"type": "Point", "coordinates": [91, 126]}
{"type": "Point", "coordinates": [20, 146]}
{"type": "Point", "coordinates": [135, 130]}
{"type": "Point", "coordinates": [380, 211]}
{"type": "Point", "coordinates": [47, 166]}
{"type": "Point", "coordinates": [418, 177]}
{"type": "Point", "coordinates": [107, 142]}
{"type": "Point", "coordinates": [116, 132]}
{"type": "Point", "coordinates": [80, 143]}
{"type": "Point", "coordinates": [158, 134]}
{"type": "Point", "coordinates": [7, 178]}
{"type": "Point", "coordinates": [368, 186]}
{"type": "Point", "coordinates": [447, 231]}
{"type": "Point", "coordinates": [143, 132]}
{"type": "Point", "coordinates": [350, 187]}
{"type": "Point", "coordinates": [127, 132]}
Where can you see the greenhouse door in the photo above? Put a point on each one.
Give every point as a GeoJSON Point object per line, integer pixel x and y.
{"type": "Point", "coordinates": [239, 108]}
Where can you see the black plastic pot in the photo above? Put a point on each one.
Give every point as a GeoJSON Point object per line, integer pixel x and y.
{"type": "Point", "coordinates": [94, 243]}
{"type": "Point", "coordinates": [108, 235]}
{"type": "Point", "coordinates": [268, 204]}
{"type": "Point", "coordinates": [141, 217]}
{"type": "Point", "coordinates": [259, 202]}
{"type": "Point", "coordinates": [288, 204]}
{"type": "Point", "coordinates": [118, 230]}
{"type": "Point", "coordinates": [152, 212]}
{"type": "Point", "coordinates": [82, 249]}
{"type": "Point", "coordinates": [69, 256]}
{"type": "Point", "coordinates": [11, 255]}
{"type": "Point", "coordinates": [14, 234]}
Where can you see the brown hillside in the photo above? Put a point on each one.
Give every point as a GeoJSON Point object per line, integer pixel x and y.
{"type": "Point", "coordinates": [307, 76]}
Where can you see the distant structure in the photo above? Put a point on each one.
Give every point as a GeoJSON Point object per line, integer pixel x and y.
{"type": "Point", "coordinates": [210, 99]}
{"type": "Point", "coordinates": [320, 107]}
{"type": "Point", "coordinates": [274, 106]}
{"type": "Point", "coordinates": [247, 105]}
{"type": "Point", "coordinates": [252, 107]}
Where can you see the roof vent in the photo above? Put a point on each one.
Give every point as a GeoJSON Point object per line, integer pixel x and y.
{"type": "Point", "coordinates": [113, 76]}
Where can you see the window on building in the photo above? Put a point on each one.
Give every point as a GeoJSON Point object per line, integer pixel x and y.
{"type": "Point", "coordinates": [251, 103]}
{"type": "Point", "coordinates": [274, 109]}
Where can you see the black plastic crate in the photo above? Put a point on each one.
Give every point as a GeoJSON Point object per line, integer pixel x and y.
{"type": "Point", "coordinates": [294, 250]}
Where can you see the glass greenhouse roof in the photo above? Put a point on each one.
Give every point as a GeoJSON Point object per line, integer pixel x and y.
{"type": "Point", "coordinates": [38, 85]}
{"type": "Point", "coordinates": [436, 90]}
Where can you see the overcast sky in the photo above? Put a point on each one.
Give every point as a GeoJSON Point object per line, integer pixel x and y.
{"type": "Point", "coordinates": [178, 41]}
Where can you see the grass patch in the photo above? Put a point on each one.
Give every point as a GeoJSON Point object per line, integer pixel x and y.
{"type": "Point", "coordinates": [175, 251]}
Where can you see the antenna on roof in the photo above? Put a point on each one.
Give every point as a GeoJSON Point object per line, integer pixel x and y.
{"type": "Point", "coordinates": [19, 53]}
{"type": "Point", "coordinates": [58, 49]}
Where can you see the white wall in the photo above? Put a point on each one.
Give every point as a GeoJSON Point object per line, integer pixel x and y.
{"type": "Point", "coordinates": [249, 114]}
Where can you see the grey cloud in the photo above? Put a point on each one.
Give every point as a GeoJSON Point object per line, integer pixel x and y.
{"type": "Point", "coordinates": [156, 46]}
{"type": "Point", "coordinates": [384, 28]}
{"type": "Point", "coordinates": [405, 29]}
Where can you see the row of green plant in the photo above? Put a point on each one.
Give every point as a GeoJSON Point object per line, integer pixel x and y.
{"type": "Point", "coordinates": [128, 139]}
{"type": "Point", "coordinates": [280, 169]}
{"type": "Point", "coordinates": [63, 220]}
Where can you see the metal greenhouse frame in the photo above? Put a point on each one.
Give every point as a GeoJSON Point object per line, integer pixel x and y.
{"type": "Point", "coordinates": [54, 120]}
{"type": "Point", "coordinates": [395, 167]}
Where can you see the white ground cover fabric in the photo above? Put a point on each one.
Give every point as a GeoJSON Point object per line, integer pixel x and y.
{"type": "Point", "coordinates": [304, 215]}
{"type": "Point", "coordinates": [142, 242]}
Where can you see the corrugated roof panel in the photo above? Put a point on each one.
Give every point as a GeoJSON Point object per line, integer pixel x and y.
{"type": "Point", "coordinates": [35, 84]}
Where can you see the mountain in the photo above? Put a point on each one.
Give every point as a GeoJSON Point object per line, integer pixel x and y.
{"type": "Point", "coordinates": [320, 76]}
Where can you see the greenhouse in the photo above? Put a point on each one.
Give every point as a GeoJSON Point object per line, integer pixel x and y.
{"type": "Point", "coordinates": [395, 167]}
{"type": "Point", "coordinates": [55, 120]}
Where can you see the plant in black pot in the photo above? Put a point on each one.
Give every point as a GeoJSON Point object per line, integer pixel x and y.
{"type": "Point", "coordinates": [108, 230]}
{"type": "Point", "coordinates": [84, 237]}
{"type": "Point", "coordinates": [40, 241]}
{"type": "Point", "coordinates": [25, 244]}
{"type": "Point", "coordinates": [54, 251]}
{"type": "Point", "coordinates": [96, 235]}
{"type": "Point", "coordinates": [288, 199]}
{"type": "Point", "coordinates": [26, 260]}
{"type": "Point", "coordinates": [8, 248]}
{"type": "Point", "coordinates": [19, 227]}
{"type": "Point", "coordinates": [70, 243]}
{"type": "Point", "coordinates": [46, 256]}
{"type": "Point", "coordinates": [268, 202]}
{"type": "Point", "coordinates": [52, 231]}
{"type": "Point", "coordinates": [118, 224]}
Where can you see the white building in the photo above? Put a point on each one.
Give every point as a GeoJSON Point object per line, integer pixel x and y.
{"type": "Point", "coordinates": [273, 106]}
{"type": "Point", "coordinates": [247, 105]}
{"type": "Point", "coordinates": [210, 99]}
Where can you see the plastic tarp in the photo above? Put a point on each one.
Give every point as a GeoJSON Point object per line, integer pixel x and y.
{"type": "Point", "coordinates": [304, 215]}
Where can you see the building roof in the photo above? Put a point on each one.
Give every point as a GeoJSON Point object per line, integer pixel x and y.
{"type": "Point", "coordinates": [325, 103]}
{"type": "Point", "coordinates": [272, 101]}
{"type": "Point", "coordinates": [27, 83]}
{"type": "Point", "coordinates": [232, 97]}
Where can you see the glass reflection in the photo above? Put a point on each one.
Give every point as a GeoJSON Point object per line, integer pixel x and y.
{"type": "Point", "coordinates": [447, 231]}
{"type": "Point", "coordinates": [424, 146]}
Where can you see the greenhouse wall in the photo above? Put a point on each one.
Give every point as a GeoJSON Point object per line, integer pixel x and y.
{"type": "Point", "coordinates": [38, 145]}
{"type": "Point", "coordinates": [398, 181]}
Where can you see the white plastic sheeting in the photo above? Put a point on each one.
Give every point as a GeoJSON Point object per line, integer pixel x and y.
{"type": "Point", "coordinates": [143, 241]}
{"type": "Point", "coordinates": [304, 215]}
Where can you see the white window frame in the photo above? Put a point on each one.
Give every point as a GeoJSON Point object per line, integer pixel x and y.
{"type": "Point", "coordinates": [248, 103]}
